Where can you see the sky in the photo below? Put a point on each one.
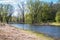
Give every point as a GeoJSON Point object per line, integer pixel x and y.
{"type": "Point", "coordinates": [50, 1]}
{"type": "Point", "coordinates": [18, 1]}
{"type": "Point", "coordinates": [15, 2]}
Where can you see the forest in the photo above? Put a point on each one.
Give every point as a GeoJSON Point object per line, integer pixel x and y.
{"type": "Point", "coordinates": [38, 12]}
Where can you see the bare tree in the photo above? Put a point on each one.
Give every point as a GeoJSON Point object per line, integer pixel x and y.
{"type": "Point", "coordinates": [22, 10]}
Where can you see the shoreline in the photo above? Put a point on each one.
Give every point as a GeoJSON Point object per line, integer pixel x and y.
{"type": "Point", "coordinates": [48, 24]}
{"type": "Point", "coordinates": [11, 33]}
{"type": "Point", "coordinates": [42, 24]}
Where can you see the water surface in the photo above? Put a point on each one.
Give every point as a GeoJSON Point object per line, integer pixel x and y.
{"type": "Point", "coordinates": [53, 31]}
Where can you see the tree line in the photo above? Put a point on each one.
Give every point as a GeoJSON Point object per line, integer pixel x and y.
{"type": "Point", "coordinates": [6, 14]}
{"type": "Point", "coordinates": [38, 12]}
{"type": "Point", "coordinates": [42, 12]}
{"type": "Point", "coordinates": [6, 11]}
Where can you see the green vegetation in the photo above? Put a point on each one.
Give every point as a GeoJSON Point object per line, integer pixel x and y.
{"type": "Point", "coordinates": [38, 12]}
{"type": "Point", "coordinates": [5, 16]}
{"type": "Point", "coordinates": [58, 16]}
{"type": "Point", "coordinates": [41, 12]}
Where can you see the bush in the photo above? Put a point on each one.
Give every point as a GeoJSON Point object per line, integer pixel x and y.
{"type": "Point", "coordinates": [57, 16]}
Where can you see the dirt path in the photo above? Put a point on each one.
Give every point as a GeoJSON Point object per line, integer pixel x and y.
{"type": "Point", "coordinates": [10, 33]}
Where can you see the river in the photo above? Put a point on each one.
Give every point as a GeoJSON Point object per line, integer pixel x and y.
{"type": "Point", "coordinates": [53, 31]}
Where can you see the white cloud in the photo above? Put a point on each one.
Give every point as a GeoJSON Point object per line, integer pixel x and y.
{"type": "Point", "coordinates": [8, 1]}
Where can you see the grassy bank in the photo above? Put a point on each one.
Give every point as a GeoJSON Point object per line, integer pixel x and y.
{"type": "Point", "coordinates": [49, 23]}
{"type": "Point", "coordinates": [54, 23]}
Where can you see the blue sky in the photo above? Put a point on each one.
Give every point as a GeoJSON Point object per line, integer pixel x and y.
{"type": "Point", "coordinates": [50, 0]}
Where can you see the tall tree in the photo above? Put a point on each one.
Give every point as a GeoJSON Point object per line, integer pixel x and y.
{"type": "Point", "coordinates": [22, 9]}
{"type": "Point", "coordinates": [35, 7]}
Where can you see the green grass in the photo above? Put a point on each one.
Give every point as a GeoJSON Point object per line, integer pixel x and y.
{"type": "Point", "coordinates": [55, 24]}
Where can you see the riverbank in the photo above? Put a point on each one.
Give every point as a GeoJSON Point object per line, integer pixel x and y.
{"type": "Point", "coordinates": [48, 24]}
{"type": "Point", "coordinates": [11, 33]}
{"type": "Point", "coordinates": [55, 24]}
